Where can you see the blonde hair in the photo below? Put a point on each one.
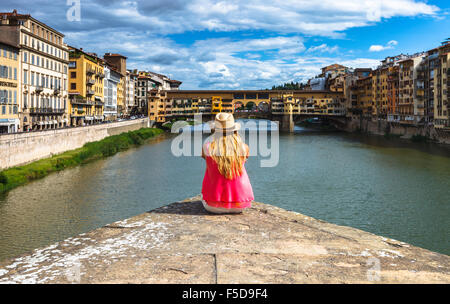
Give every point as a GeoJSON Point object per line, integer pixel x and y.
{"type": "Point", "coordinates": [229, 152]}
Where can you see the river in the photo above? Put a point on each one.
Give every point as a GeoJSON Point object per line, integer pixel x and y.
{"type": "Point", "coordinates": [389, 187]}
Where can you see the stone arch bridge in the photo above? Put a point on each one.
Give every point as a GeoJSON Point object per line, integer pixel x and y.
{"type": "Point", "coordinates": [286, 107]}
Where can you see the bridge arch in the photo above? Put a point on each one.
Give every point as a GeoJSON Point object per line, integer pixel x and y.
{"type": "Point", "coordinates": [263, 106]}
{"type": "Point", "coordinates": [246, 101]}
{"type": "Point", "coordinates": [239, 105]}
{"type": "Point", "coordinates": [251, 106]}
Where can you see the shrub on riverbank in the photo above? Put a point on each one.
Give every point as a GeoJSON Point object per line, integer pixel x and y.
{"type": "Point", "coordinates": [17, 176]}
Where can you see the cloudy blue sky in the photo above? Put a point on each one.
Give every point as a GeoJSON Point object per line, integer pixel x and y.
{"type": "Point", "coordinates": [252, 44]}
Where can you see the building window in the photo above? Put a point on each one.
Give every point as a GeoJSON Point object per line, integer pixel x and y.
{"type": "Point", "coordinates": [73, 74]}
{"type": "Point", "coordinates": [73, 86]}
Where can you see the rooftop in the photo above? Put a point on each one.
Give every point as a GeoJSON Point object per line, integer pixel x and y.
{"type": "Point", "coordinates": [14, 15]}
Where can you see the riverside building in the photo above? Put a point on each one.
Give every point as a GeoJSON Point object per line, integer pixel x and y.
{"type": "Point", "coordinates": [86, 80]}
{"type": "Point", "coordinates": [410, 107]}
{"type": "Point", "coordinates": [404, 89]}
{"type": "Point", "coordinates": [150, 81]}
{"type": "Point", "coordinates": [442, 88]}
{"type": "Point", "coordinates": [112, 81]}
{"type": "Point", "coordinates": [118, 63]}
{"type": "Point", "coordinates": [9, 86]}
{"type": "Point", "coordinates": [130, 100]}
{"type": "Point", "coordinates": [43, 65]}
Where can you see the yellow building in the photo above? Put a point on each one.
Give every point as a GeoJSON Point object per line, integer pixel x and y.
{"type": "Point", "coordinates": [86, 74]}
{"type": "Point", "coordinates": [216, 104]}
{"type": "Point", "coordinates": [9, 85]}
{"type": "Point", "coordinates": [121, 96]}
{"type": "Point", "coordinates": [157, 104]}
{"type": "Point", "coordinates": [380, 92]}
{"type": "Point", "coordinates": [364, 100]}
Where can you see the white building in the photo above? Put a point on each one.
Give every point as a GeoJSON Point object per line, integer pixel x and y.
{"type": "Point", "coordinates": [43, 68]}
{"type": "Point", "coordinates": [318, 84]}
{"type": "Point", "coordinates": [130, 100]}
{"type": "Point", "coordinates": [112, 78]}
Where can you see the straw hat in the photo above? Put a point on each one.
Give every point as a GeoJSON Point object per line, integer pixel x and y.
{"type": "Point", "coordinates": [225, 122]}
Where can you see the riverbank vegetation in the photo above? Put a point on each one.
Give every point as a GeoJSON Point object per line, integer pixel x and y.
{"type": "Point", "coordinates": [17, 176]}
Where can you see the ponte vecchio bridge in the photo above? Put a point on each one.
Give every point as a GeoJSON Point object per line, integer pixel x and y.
{"type": "Point", "coordinates": [283, 106]}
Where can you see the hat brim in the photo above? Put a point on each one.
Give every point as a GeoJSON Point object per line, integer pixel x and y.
{"type": "Point", "coordinates": [236, 127]}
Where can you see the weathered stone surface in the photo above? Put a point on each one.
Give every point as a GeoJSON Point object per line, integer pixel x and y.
{"type": "Point", "coordinates": [182, 243]}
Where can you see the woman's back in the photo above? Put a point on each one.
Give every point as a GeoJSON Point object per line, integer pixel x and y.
{"type": "Point", "coordinates": [218, 188]}
{"type": "Point", "coordinates": [226, 187]}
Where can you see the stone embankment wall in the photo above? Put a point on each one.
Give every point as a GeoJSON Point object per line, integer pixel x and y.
{"type": "Point", "coordinates": [22, 148]}
{"type": "Point", "coordinates": [382, 127]}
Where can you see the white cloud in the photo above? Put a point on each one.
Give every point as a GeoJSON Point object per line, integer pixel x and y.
{"type": "Point", "coordinates": [221, 63]}
{"type": "Point", "coordinates": [320, 17]}
{"type": "Point", "coordinates": [143, 29]}
{"type": "Point", "coordinates": [378, 48]}
{"type": "Point", "coordinates": [323, 48]}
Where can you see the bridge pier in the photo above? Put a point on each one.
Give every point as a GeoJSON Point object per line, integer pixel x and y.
{"type": "Point", "coordinates": [287, 123]}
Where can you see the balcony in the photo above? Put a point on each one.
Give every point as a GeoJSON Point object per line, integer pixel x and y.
{"type": "Point", "coordinates": [46, 111]}
{"type": "Point", "coordinates": [90, 92]}
{"type": "Point", "coordinates": [56, 91]}
{"type": "Point", "coordinates": [90, 71]}
{"type": "Point", "coordinates": [79, 100]}
{"type": "Point", "coordinates": [101, 74]}
{"type": "Point", "coordinates": [90, 82]}
{"type": "Point", "coordinates": [39, 89]}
